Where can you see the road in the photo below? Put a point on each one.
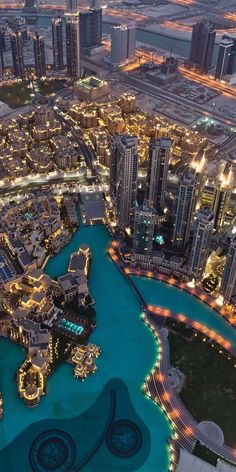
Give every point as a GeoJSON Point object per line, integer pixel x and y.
{"type": "Point", "coordinates": [157, 92]}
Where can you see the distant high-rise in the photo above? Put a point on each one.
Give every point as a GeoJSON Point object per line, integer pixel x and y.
{"type": "Point", "coordinates": [232, 57]}
{"type": "Point", "coordinates": [17, 55]}
{"type": "Point", "coordinates": [72, 6]}
{"type": "Point", "coordinates": [203, 230]}
{"type": "Point", "coordinates": [73, 46]}
{"type": "Point", "coordinates": [30, 6]}
{"type": "Point", "coordinates": [186, 203]}
{"type": "Point", "coordinates": [123, 177]}
{"type": "Point", "coordinates": [202, 45]}
{"type": "Point", "coordinates": [57, 43]}
{"type": "Point", "coordinates": [222, 195]}
{"type": "Point", "coordinates": [39, 56]}
{"type": "Point", "coordinates": [122, 44]}
{"type": "Point", "coordinates": [144, 225]}
{"type": "Point", "coordinates": [228, 284]}
{"type": "Point", "coordinates": [157, 171]}
{"type": "Point", "coordinates": [223, 65]}
{"type": "Point", "coordinates": [91, 28]}
{"type": "Point", "coordinates": [19, 24]}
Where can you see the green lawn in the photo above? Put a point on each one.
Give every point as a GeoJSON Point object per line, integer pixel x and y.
{"type": "Point", "coordinates": [47, 87]}
{"type": "Point", "coordinates": [209, 392]}
{"type": "Point", "coordinates": [15, 95]}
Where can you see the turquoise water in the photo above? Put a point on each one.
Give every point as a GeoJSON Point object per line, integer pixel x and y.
{"type": "Point", "coordinates": [161, 294]}
{"type": "Point", "coordinates": [128, 352]}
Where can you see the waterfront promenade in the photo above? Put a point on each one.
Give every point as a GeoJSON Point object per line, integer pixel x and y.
{"type": "Point", "coordinates": [157, 385]}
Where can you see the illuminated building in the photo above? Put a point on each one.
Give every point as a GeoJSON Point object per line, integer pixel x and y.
{"type": "Point", "coordinates": [123, 177]}
{"type": "Point", "coordinates": [203, 230]}
{"type": "Point", "coordinates": [228, 284]}
{"type": "Point", "coordinates": [232, 58]}
{"type": "Point", "coordinates": [57, 43]}
{"type": "Point", "coordinates": [158, 164]}
{"type": "Point", "coordinates": [17, 55]}
{"type": "Point", "coordinates": [91, 28]}
{"type": "Point", "coordinates": [186, 203]}
{"type": "Point", "coordinates": [91, 88]}
{"type": "Point", "coordinates": [73, 46]}
{"type": "Point", "coordinates": [122, 44]}
{"type": "Point", "coordinates": [202, 45]}
{"type": "Point", "coordinates": [222, 195]}
{"type": "Point", "coordinates": [39, 56]}
{"type": "Point", "coordinates": [226, 49]}
{"type": "Point", "coordinates": [144, 225]}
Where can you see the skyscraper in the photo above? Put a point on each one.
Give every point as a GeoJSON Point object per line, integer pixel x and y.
{"type": "Point", "coordinates": [203, 230]}
{"type": "Point", "coordinates": [228, 284]}
{"type": "Point", "coordinates": [72, 6]}
{"type": "Point", "coordinates": [17, 55]}
{"type": "Point", "coordinates": [232, 57]}
{"type": "Point", "coordinates": [157, 171]}
{"type": "Point", "coordinates": [73, 46]}
{"type": "Point", "coordinates": [144, 225]}
{"type": "Point", "coordinates": [122, 44]}
{"type": "Point", "coordinates": [123, 177]}
{"type": "Point", "coordinates": [202, 45]}
{"type": "Point", "coordinates": [57, 43]}
{"type": "Point", "coordinates": [226, 50]}
{"type": "Point", "coordinates": [91, 28]}
{"type": "Point", "coordinates": [185, 207]}
{"type": "Point", "coordinates": [18, 24]}
{"type": "Point", "coordinates": [39, 56]}
{"type": "Point", "coordinates": [222, 194]}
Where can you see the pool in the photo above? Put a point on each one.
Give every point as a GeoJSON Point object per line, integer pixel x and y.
{"type": "Point", "coordinates": [104, 423]}
{"type": "Point", "coordinates": [69, 326]}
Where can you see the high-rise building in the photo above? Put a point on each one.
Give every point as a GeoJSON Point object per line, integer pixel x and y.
{"type": "Point", "coordinates": [91, 28]}
{"type": "Point", "coordinates": [18, 24]}
{"type": "Point", "coordinates": [17, 55]}
{"type": "Point", "coordinates": [202, 45]}
{"type": "Point", "coordinates": [222, 195]}
{"type": "Point", "coordinates": [186, 203]}
{"type": "Point", "coordinates": [232, 58]}
{"type": "Point", "coordinates": [203, 230]}
{"type": "Point", "coordinates": [223, 65]}
{"type": "Point", "coordinates": [30, 6]}
{"type": "Point", "coordinates": [122, 44]}
{"type": "Point", "coordinates": [198, 163]}
{"type": "Point", "coordinates": [144, 225]}
{"type": "Point", "coordinates": [72, 6]}
{"type": "Point", "coordinates": [157, 171]}
{"type": "Point", "coordinates": [73, 46]}
{"type": "Point", "coordinates": [39, 56]}
{"type": "Point", "coordinates": [57, 43]}
{"type": "Point", "coordinates": [228, 284]}
{"type": "Point", "coordinates": [123, 177]}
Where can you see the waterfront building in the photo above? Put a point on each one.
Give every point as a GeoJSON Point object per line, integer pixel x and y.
{"type": "Point", "coordinates": [30, 6]}
{"type": "Point", "coordinates": [157, 171]}
{"type": "Point", "coordinates": [186, 202]}
{"type": "Point", "coordinates": [144, 225]}
{"type": "Point", "coordinates": [222, 195]}
{"type": "Point", "coordinates": [202, 45]}
{"type": "Point", "coordinates": [123, 177]}
{"type": "Point", "coordinates": [73, 46]}
{"type": "Point", "coordinates": [39, 56]}
{"type": "Point", "coordinates": [223, 65]}
{"type": "Point", "coordinates": [17, 55]}
{"type": "Point", "coordinates": [91, 28]}
{"type": "Point", "coordinates": [19, 24]}
{"type": "Point", "coordinates": [203, 230]}
{"type": "Point", "coordinates": [57, 43]}
{"type": "Point", "coordinates": [122, 44]}
{"type": "Point", "coordinates": [228, 284]}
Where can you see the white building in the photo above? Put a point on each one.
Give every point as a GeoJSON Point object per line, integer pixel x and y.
{"type": "Point", "coordinates": [122, 44]}
{"type": "Point", "coordinates": [159, 157]}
